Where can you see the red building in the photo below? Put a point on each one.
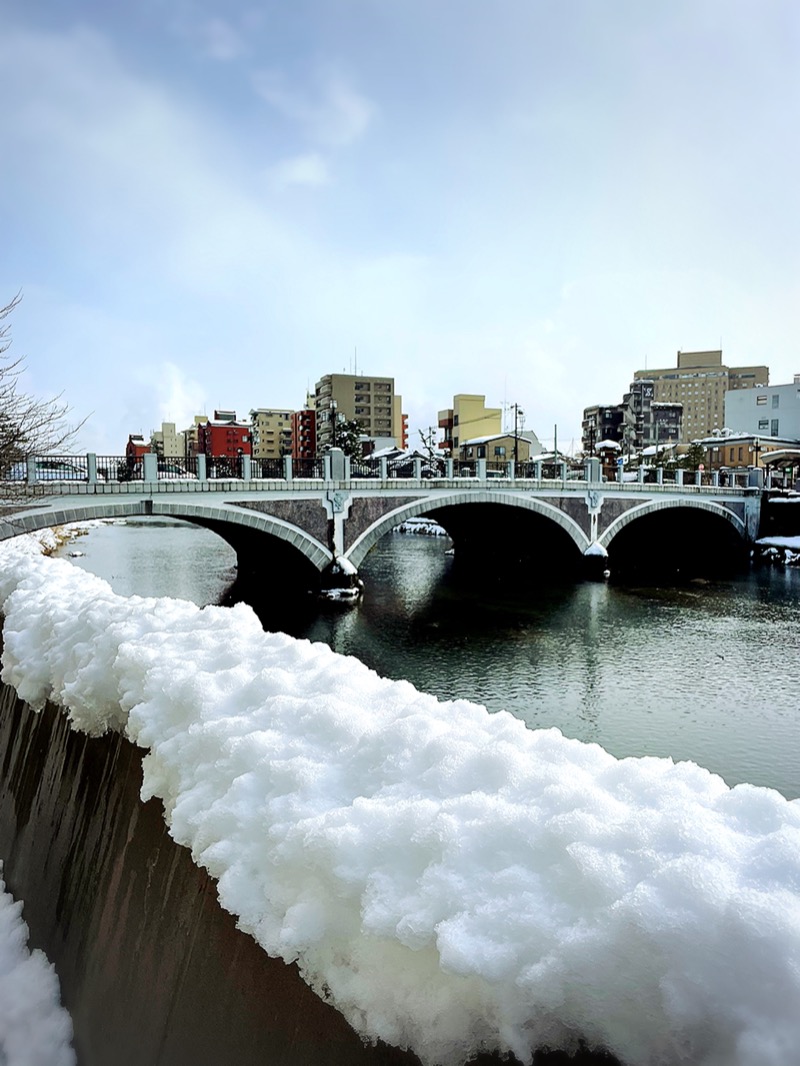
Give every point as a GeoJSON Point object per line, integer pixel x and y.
{"type": "Point", "coordinates": [136, 447]}
{"type": "Point", "coordinates": [304, 433]}
{"type": "Point", "coordinates": [219, 438]}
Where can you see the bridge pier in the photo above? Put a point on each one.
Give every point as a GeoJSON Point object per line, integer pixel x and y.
{"type": "Point", "coordinates": [340, 581]}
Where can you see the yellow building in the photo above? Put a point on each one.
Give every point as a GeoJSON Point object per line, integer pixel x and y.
{"type": "Point", "coordinates": [272, 432]}
{"type": "Point", "coordinates": [468, 418]}
{"type": "Point", "coordinates": [699, 382]}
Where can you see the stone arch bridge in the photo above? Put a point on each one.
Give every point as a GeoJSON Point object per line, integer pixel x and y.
{"type": "Point", "coordinates": [323, 529]}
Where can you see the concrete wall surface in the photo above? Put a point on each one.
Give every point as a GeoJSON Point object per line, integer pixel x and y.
{"type": "Point", "coordinates": [152, 970]}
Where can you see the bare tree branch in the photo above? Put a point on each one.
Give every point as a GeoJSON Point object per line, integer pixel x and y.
{"type": "Point", "coordinates": [28, 426]}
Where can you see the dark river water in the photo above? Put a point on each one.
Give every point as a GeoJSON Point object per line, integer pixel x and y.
{"type": "Point", "coordinates": [706, 672]}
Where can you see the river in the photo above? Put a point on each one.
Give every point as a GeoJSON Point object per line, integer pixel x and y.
{"type": "Point", "coordinates": [703, 672]}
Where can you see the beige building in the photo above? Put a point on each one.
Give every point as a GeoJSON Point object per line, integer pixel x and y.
{"type": "Point", "coordinates": [272, 432]}
{"type": "Point", "coordinates": [167, 442]}
{"type": "Point", "coordinates": [699, 382]}
{"type": "Point", "coordinates": [371, 401]}
{"type": "Point", "coordinates": [469, 417]}
{"type": "Point", "coordinates": [500, 447]}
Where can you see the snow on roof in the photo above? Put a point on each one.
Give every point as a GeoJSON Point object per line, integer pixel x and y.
{"type": "Point", "coordinates": [530, 437]}
{"type": "Point", "coordinates": [613, 445]}
{"type": "Point", "coordinates": [450, 880]}
{"type": "Point", "coordinates": [658, 449]}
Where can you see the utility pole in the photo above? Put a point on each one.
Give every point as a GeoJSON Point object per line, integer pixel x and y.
{"type": "Point", "coordinates": [519, 416]}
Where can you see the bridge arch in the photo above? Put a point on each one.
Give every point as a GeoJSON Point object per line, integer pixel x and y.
{"type": "Point", "coordinates": [653, 506]}
{"type": "Point", "coordinates": [683, 538]}
{"type": "Point", "coordinates": [228, 521]}
{"type": "Point", "coordinates": [370, 536]}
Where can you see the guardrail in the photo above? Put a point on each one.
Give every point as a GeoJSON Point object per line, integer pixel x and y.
{"type": "Point", "coordinates": [54, 474]}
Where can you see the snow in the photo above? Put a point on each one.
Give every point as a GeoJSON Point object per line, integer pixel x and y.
{"type": "Point", "coordinates": [596, 548]}
{"type": "Point", "coordinates": [421, 526]}
{"type": "Point", "coordinates": [447, 878]}
{"type": "Point", "coordinates": [780, 542]}
{"type": "Point", "coordinates": [35, 1030]}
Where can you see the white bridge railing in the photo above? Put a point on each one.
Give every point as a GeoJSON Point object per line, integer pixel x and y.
{"type": "Point", "coordinates": [90, 473]}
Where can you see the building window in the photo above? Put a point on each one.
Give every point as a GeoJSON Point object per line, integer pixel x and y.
{"type": "Point", "coordinates": [481, 451]}
{"type": "Point", "coordinates": [763, 425]}
{"type": "Point", "coordinates": [761, 401]}
{"type": "Point", "coordinates": [740, 455]}
{"type": "Point", "coordinates": [774, 427]}
{"type": "Point", "coordinates": [500, 451]}
{"type": "Point", "coordinates": [776, 400]}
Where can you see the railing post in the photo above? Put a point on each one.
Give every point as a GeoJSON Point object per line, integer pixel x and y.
{"type": "Point", "coordinates": [30, 469]}
{"type": "Point", "coordinates": [247, 468]}
{"type": "Point", "coordinates": [417, 468]}
{"type": "Point", "coordinates": [679, 475]}
{"type": "Point", "coordinates": [512, 470]}
{"type": "Point", "coordinates": [481, 465]}
{"type": "Point", "coordinates": [715, 478]}
{"type": "Point", "coordinates": [336, 465]}
{"type": "Point", "coordinates": [698, 477]}
{"type": "Point", "coordinates": [202, 470]}
{"type": "Point", "coordinates": [563, 467]}
{"type": "Point", "coordinates": [91, 468]}
{"type": "Point", "coordinates": [150, 466]}
{"type": "Point", "coordinates": [659, 475]}
{"type": "Point", "coordinates": [537, 469]}
{"type": "Point", "coordinates": [448, 469]}
{"type": "Point", "coordinates": [288, 469]}
{"type": "Point", "coordinates": [591, 469]}
{"type": "Point", "coordinates": [326, 467]}
{"type": "Point", "coordinates": [346, 475]}
{"type": "Point", "coordinates": [384, 468]}
{"type": "Point", "coordinates": [640, 472]}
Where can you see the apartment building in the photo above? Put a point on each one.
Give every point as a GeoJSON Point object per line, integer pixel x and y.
{"type": "Point", "coordinates": [601, 422]}
{"type": "Point", "coordinates": [468, 418]}
{"type": "Point", "coordinates": [773, 410]}
{"type": "Point", "coordinates": [224, 437]}
{"type": "Point", "coordinates": [168, 442]}
{"type": "Point", "coordinates": [371, 401]}
{"type": "Point", "coordinates": [304, 432]}
{"type": "Point", "coordinates": [699, 382]}
{"type": "Point", "coordinates": [272, 432]}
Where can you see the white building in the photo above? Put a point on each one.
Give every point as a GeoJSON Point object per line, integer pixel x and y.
{"type": "Point", "coordinates": [773, 410]}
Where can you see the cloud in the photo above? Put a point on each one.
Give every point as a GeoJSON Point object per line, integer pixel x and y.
{"type": "Point", "coordinates": [309, 169]}
{"type": "Point", "coordinates": [179, 397]}
{"type": "Point", "coordinates": [338, 116]}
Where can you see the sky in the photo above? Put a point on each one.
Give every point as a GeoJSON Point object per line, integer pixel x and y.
{"type": "Point", "coordinates": [211, 206]}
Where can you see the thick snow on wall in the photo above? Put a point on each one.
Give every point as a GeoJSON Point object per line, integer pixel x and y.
{"type": "Point", "coordinates": [35, 1030]}
{"type": "Point", "coordinates": [449, 879]}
